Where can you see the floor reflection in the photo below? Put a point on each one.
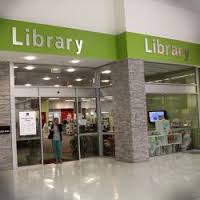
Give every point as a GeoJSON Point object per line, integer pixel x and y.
{"type": "Point", "coordinates": [170, 177]}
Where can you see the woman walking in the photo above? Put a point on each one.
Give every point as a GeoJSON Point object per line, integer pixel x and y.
{"type": "Point", "coordinates": [56, 137]}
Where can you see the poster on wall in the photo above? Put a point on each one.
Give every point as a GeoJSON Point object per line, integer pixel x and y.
{"type": "Point", "coordinates": [27, 123]}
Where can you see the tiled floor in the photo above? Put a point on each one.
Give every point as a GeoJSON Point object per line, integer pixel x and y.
{"type": "Point", "coordinates": [170, 177]}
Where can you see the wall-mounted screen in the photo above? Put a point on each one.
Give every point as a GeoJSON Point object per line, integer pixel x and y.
{"type": "Point", "coordinates": [153, 116]}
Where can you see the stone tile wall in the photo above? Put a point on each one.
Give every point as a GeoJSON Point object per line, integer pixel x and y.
{"type": "Point", "coordinates": [129, 105]}
{"type": "Point", "coordinates": [5, 118]}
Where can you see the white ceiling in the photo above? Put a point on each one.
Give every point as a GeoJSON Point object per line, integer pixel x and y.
{"type": "Point", "coordinates": [50, 59]}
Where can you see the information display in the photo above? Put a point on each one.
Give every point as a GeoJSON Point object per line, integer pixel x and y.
{"type": "Point", "coordinates": [156, 115]}
{"type": "Point", "coordinates": [27, 123]}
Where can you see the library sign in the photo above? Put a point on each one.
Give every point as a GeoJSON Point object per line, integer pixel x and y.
{"type": "Point", "coordinates": [26, 37]}
{"type": "Point", "coordinates": [159, 49]}
{"type": "Point", "coordinates": [155, 46]}
{"type": "Point", "coordinates": [31, 37]}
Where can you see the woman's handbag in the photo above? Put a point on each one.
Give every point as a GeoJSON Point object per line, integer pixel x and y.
{"type": "Point", "coordinates": [50, 136]}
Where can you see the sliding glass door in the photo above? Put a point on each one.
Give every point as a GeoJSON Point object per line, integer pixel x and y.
{"type": "Point", "coordinates": [37, 108]}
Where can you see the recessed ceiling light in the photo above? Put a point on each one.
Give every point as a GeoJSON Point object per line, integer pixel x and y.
{"type": "Point", "coordinates": [85, 99]}
{"type": "Point", "coordinates": [28, 85]}
{"type": "Point", "coordinates": [16, 67]}
{"type": "Point", "coordinates": [108, 97]}
{"type": "Point", "coordinates": [56, 85]}
{"type": "Point", "coordinates": [75, 61]}
{"type": "Point", "coordinates": [78, 79]}
{"type": "Point", "coordinates": [53, 98]}
{"type": "Point", "coordinates": [29, 57]}
{"type": "Point", "coordinates": [70, 70]}
{"type": "Point", "coordinates": [56, 70]}
{"type": "Point", "coordinates": [105, 81]}
{"type": "Point", "coordinates": [106, 71]}
{"type": "Point", "coordinates": [46, 78]}
{"type": "Point", "coordinates": [70, 86]}
{"type": "Point", "coordinates": [70, 100]}
{"type": "Point", "coordinates": [29, 67]}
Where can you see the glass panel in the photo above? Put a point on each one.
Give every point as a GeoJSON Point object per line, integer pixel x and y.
{"type": "Point", "coordinates": [107, 126]}
{"type": "Point", "coordinates": [107, 114]}
{"type": "Point", "coordinates": [87, 115]}
{"type": "Point", "coordinates": [166, 73]}
{"type": "Point", "coordinates": [105, 76]}
{"type": "Point", "coordinates": [45, 75]}
{"type": "Point", "coordinates": [28, 131]}
{"type": "Point", "coordinates": [109, 145]}
{"type": "Point", "coordinates": [181, 111]}
{"type": "Point", "coordinates": [89, 145]}
{"type": "Point", "coordinates": [63, 110]}
{"type": "Point", "coordinates": [28, 152]}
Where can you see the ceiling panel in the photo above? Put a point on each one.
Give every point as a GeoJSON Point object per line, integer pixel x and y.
{"type": "Point", "coordinates": [50, 59]}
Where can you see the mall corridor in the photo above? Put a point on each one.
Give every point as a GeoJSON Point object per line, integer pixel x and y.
{"type": "Point", "coordinates": [170, 177]}
{"type": "Point", "coordinates": [100, 100]}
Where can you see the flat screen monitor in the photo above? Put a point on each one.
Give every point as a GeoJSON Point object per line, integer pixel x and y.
{"type": "Point", "coordinates": [153, 116]}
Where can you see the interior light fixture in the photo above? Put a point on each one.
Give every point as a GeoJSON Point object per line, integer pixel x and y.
{"type": "Point", "coordinates": [16, 67]}
{"type": "Point", "coordinates": [70, 70]}
{"type": "Point", "coordinates": [29, 67]}
{"type": "Point", "coordinates": [85, 99]}
{"type": "Point", "coordinates": [70, 86]}
{"type": "Point", "coordinates": [28, 85]}
{"type": "Point", "coordinates": [70, 100]}
{"type": "Point", "coordinates": [108, 97]}
{"type": "Point", "coordinates": [46, 78]}
{"type": "Point", "coordinates": [105, 81]}
{"type": "Point", "coordinates": [56, 85]}
{"type": "Point", "coordinates": [56, 70]}
{"type": "Point", "coordinates": [75, 61]}
{"type": "Point", "coordinates": [53, 98]}
{"type": "Point", "coordinates": [107, 71]}
{"type": "Point", "coordinates": [78, 79]}
{"type": "Point", "coordinates": [29, 57]}
{"type": "Point", "coordinates": [104, 112]}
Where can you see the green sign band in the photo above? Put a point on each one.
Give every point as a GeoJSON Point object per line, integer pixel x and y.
{"type": "Point", "coordinates": [38, 38]}
{"type": "Point", "coordinates": [159, 49]}
{"type": "Point", "coordinates": [18, 36]}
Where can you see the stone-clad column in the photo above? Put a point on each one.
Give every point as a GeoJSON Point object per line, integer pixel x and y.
{"type": "Point", "coordinates": [129, 105]}
{"type": "Point", "coordinates": [5, 117]}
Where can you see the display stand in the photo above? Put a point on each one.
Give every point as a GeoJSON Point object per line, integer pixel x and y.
{"type": "Point", "coordinates": [176, 140]}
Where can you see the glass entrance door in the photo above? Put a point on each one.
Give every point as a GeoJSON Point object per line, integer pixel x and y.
{"type": "Point", "coordinates": [75, 109]}
{"type": "Point", "coordinates": [64, 111]}
{"type": "Point", "coordinates": [28, 134]}
{"type": "Point", "coordinates": [88, 130]}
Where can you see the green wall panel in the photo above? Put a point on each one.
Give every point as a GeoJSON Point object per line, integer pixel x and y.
{"type": "Point", "coordinates": [136, 49]}
{"type": "Point", "coordinates": [95, 45]}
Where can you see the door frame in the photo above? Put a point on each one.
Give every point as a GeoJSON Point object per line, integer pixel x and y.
{"type": "Point", "coordinates": [46, 91]}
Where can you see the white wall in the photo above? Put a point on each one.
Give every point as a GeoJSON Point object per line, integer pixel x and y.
{"type": "Point", "coordinates": [166, 18]}
{"type": "Point", "coordinates": [94, 15]}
